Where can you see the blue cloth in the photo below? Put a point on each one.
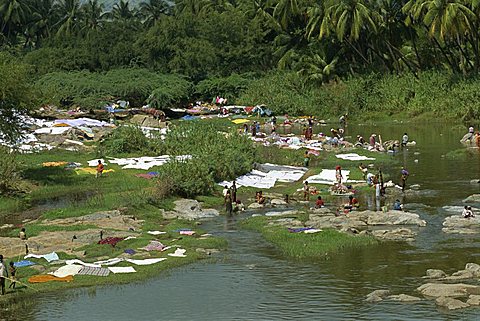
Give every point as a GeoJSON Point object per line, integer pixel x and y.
{"type": "Point", "coordinates": [23, 263]}
{"type": "Point", "coordinates": [300, 229]}
{"type": "Point", "coordinates": [153, 173]}
{"type": "Point", "coordinates": [189, 117]}
{"type": "Point", "coordinates": [129, 251]}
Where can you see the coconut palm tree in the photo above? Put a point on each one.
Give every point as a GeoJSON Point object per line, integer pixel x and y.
{"type": "Point", "coordinates": [93, 15]}
{"type": "Point", "coordinates": [13, 17]}
{"type": "Point", "coordinates": [121, 11]}
{"type": "Point", "coordinates": [43, 17]}
{"type": "Point", "coordinates": [154, 10]}
{"type": "Point", "coordinates": [70, 17]}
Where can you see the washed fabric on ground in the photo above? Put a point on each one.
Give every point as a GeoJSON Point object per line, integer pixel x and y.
{"type": "Point", "coordinates": [23, 263]}
{"type": "Point", "coordinates": [145, 162]}
{"type": "Point", "coordinates": [128, 269]}
{"type": "Point", "coordinates": [95, 271]}
{"type": "Point", "coordinates": [67, 270]}
{"type": "Point", "coordinates": [91, 171]}
{"type": "Point", "coordinates": [327, 176]}
{"type": "Point", "coordinates": [49, 278]}
{"type": "Point", "coordinates": [49, 257]}
{"type": "Point", "coordinates": [178, 253]}
{"type": "Point", "coordinates": [266, 175]}
{"type": "Point", "coordinates": [353, 157]}
{"type": "Point", "coordinates": [154, 246]}
{"type": "Point", "coordinates": [76, 261]}
{"type": "Point", "coordinates": [111, 240]}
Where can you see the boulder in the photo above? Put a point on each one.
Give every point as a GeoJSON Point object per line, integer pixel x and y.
{"type": "Point", "coordinates": [255, 206]}
{"type": "Point", "coordinates": [475, 198]}
{"type": "Point", "coordinates": [377, 296]}
{"type": "Point", "coordinates": [434, 274]}
{"type": "Point", "coordinates": [278, 202]}
{"type": "Point", "coordinates": [146, 121]}
{"type": "Point", "coordinates": [399, 234]}
{"type": "Point", "coordinates": [391, 218]}
{"type": "Point", "coordinates": [404, 298]}
{"type": "Point", "coordinates": [474, 268]}
{"type": "Point", "coordinates": [287, 222]}
{"type": "Point", "coordinates": [451, 303]}
{"type": "Point", "coordinates": [473, 299]}
{"type": "Point", "coordinates": [459, 225]}
{"type": "Point", "coordinates": [321, 211]}
{"type": "Point", "coordinates": [448, 290]}
{"type": "Point", "coordinates": [283, 213]}
{"type": "Point", "coordinates": [189, 209]}
{"type": "Point", "coordinates": [460, 275]}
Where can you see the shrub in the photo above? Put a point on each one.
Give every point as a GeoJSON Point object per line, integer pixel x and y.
{"type": "Point", "coordinates": [10, 180]}
{"type": "Point", "coordinates": [123, 140]}
{"type": "Point", "coordinates": [227, 87]}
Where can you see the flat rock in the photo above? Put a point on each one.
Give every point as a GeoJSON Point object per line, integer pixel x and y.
{"type": "Point", "coordinates": [456, 224]}
{"type": "Point", "coordinates": [448, 290]}
{"type": "Point", "coordinates": [388, 218]}
{"type": "Point", "coordinates": [255, 206]}
{"type": "Point", "coordinates": [451, 303]}
{"type": "Point", "coordinates": [399, 234]}
{"type": "Point", "coordinates": [475, 198]}
{"type": "Point", "coordinates": [373, 299]}
{"type": "Point", "coordinates": [189, 209]}
{"type": "Point", "coordinates": [287, 222]}
{"type": "Point", "coordinates": [321, 211]}
{"type": "Point", "coordinates": [377, 296]}
{"type": "Point", "coordinates": [283, 213]}
{"type": "Point", "coordinates": [404, 298]}
{"type": "Point", "coordinates": [434, 274]}
{"type": "Point", "coordinates": [459, 275]}
{"type": "Point", "coordinates": [278, 202]}
{"type": "Point", "coordinates": [106, 219]}
{"type": "Point", "coordinates": [473, 299]}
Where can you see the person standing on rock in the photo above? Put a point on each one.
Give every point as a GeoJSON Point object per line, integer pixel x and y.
{"type": "Point", "coordinates": [3, 275]}
{"type": "Point", "coordinates": [23, 237]}
{"type": "Point", "coordinates": [233, 189]}
{"type": "Point", "coordinates": [228, 203]}
{"type": "Point", "coordinates": [403, 178]}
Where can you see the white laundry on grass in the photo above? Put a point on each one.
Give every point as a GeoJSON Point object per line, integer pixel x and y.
{"type": "Point", "coordinates": [327, 177]}
{"type": "Point", "coordinates": [121, 259]}
{"type": "Point", "coordinates": [79, 262]}
{"type": "Point", "coordinates": [127, 269]}
{"type": "Point", "coordinates": [268, 176]}
{"type": "Point", "coordinates": [156, 232]}
{"type": "Point", "coordinates": [353, 157]}
{"type": "Point", "coordinates": [66, 270]}
{"type": "Point", "coordinates": [144, 162]}
{"type": "Point", "coordinates": [178, 253]}
{"type": "Point", "coordinates": [49, 257]}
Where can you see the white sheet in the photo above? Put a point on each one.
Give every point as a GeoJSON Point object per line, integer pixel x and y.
{"type": "Point", "coordinates": [127, 269]}
{"type": "Point", "coordinates": [67, 270]}
{"type": "Point", "coordinates": [76, 261]}
{"type": "Point", "coordinates": [156, 232]}
{"type": "Point", "coordinates": [110, 261]}
{"type": "Point", "coordinates": [49, 257]}
{"type": "Point", "coordinates": [327, 177]}
{"type": "Point", "coordinates": [146, 261]}
{"type": "Point", "coordinates": [353, 157]}
{"type": "Point", "coordinates": [94, 162]}
{"type": "Point", "coordinates": [146, 162]}
{"type": "Point", "coordinates": [178, 253]}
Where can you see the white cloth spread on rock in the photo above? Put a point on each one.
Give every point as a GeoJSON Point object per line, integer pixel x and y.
{"type": "Point", "coordinates": [353, 157]}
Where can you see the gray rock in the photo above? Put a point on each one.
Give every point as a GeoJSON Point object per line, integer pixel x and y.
{"type": "Point", "coordinates": [404, 298]}
{"type": "Point", "coordinates": [189, 210]}
{"type": "Point", "coordinates": [456, 224]}
{"type": "Point", "coordinates": [451, 303]}
{"type": "Point", "coordinates": [474, 268]}
{"type": "Point", "coordinates": [373, 299]}
{"type": "Point", "coordinates": [278, 202]}
{"type": "Point", "coordinates": [473, 299]}
{"type": "Point", "coordinates": [448, 290]}
{"type": "Point", "coordinates": [434, 274]}
{"type": "Point", "coordinates": [460, 275]}
{"type": "Point", "coordinates": [321, 211]}
{"type": "Point", "coordinates": [399, 234]}
{"type": "Point", "coordinates": [377, 296]}
{"type": "Point", "coordinates": [283, 213]}
{"type": "Point", "coordinates": [287, 222]}
{"type": "Point", "coordinates": [255, 206]}
{"type": "Point", "coordinates": [475, 198]}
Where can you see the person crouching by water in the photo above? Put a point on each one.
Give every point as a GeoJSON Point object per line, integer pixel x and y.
{"type": "Point", "coordinates": [467, 212]}
{"type": "Point", "coordinates": [228, 203]}
{"type": "Point", "coordinates": [319, 202]}
{"type": "Point", "coordinates": [352, 203]}
{"type": "Point", "coordinates": [259, 197]}
{"type": "Point", "coordinates": [397, 206]}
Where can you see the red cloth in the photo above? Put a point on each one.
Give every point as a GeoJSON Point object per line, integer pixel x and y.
{"type": "Point", "coordinates": [111, 240]}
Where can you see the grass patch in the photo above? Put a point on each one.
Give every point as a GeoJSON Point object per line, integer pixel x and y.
{"type": "Point", "coordinates": [301, 245]}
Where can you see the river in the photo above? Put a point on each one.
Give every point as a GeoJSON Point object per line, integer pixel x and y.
{"type": "Point", "coordinates": [250, 281]}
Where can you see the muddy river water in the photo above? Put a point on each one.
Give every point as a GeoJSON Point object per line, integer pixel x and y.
{"type": "Point", "coordinates": [251, 281]}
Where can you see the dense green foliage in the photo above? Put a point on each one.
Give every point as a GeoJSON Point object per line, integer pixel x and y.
{"type": "Point", "coordinates": [95, 89]}
{"type": "Point", "coordinates": [124, 139]}
{"type": "Point", "coordinates": [317, 56]}
{"type": "Point", "coordinates": [215, 158]}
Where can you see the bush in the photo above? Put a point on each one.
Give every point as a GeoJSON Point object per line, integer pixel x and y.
{"type": "Point", "coordinates": [124, 140]}
{"type": "Point", "coordinates": [217, 156]}
{"type": "Point", "coordinates": [227, 87]}
{"type": "Point", "coordinates": [93, 90]}
{"type": "Point", "coordinates": [10, 180]}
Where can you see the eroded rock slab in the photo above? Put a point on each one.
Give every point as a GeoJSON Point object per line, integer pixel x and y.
{"type": "Point", "coordinates": [451, 303]}
{"type": "Point", "coordinates": [475, 198]}
{"type": "Point", "coordinates": [457, 290]}
{"type": "Point", "coordinates": [399, 234]}
{"type": "Point", "coordinates": [456, 224]}
{"type": "Point", "coordinates": [404, 298]}
{"type": "Point", "coordinates": [189, 209]}
{"type": "Point", "coordinates": [106, 219]}
{"type": "Point", "coordinates": [434, 274]}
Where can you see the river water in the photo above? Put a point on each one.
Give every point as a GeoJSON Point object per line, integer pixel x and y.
{"type": "Point", "coordinates": [250, 281]}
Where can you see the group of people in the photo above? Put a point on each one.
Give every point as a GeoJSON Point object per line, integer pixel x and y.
{"type": "Point", "coordinates": [232, 204]}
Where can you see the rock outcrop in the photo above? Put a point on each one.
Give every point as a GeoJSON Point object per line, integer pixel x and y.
{"type": "Point", "coordinates": [456, 224]}
{"type": "Point", "coordinates": [475, 198]}
{"type": "Point", "coordinates": [456, 290]}
{"type": "Point", "coordinates": [188, 209]}
{"type": "Point", "coordinates": [450, 303]}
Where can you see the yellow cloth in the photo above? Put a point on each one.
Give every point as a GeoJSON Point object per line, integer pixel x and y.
{"type": "Point", "coordinates": [48, 278]}
{"type": "Point", "coordinates": [54, 164]}
{"type": "Point", "coordinates": [89, 170]}
{"type": "Point", "coordinates": [61, 125]}
{"type": "Point", "coordinates": [240, 121]}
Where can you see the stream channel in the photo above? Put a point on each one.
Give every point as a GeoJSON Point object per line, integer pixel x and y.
{"type": "Point", "coordinates": [251, 281]}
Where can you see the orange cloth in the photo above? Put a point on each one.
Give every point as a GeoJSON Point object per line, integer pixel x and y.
{"type": "Point", "coordinates": [48, 278]}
